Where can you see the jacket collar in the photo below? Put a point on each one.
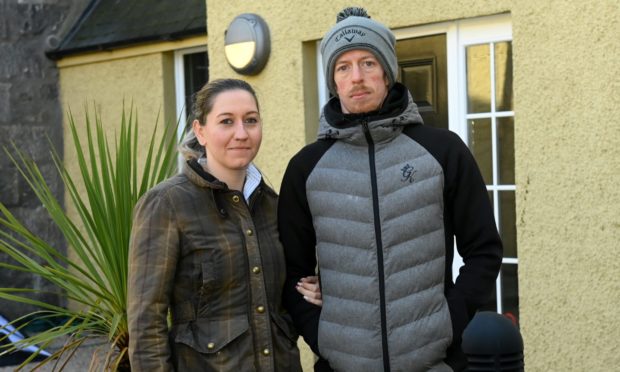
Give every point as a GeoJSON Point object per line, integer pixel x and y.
{"type": "Point", "coordinates": [196, 173]}
{"type": "Point", "coordinates": [397, 110]}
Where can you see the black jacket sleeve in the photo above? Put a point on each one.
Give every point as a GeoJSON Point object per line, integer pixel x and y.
{"type": "Point", "coordinates": [298, 238]}
{"type": "Point", "coordinates": [468, 218]}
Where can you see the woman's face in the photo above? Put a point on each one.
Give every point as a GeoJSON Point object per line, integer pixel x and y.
{"type": "Point", "coordinates": [232, 133]}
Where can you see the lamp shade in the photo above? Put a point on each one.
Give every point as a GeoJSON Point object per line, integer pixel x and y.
{"type": "Point", "coordinates": [247, 44]}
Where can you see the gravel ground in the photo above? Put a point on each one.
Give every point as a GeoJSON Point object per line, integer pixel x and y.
{"type": "Point", "coordinates": [80, 361]}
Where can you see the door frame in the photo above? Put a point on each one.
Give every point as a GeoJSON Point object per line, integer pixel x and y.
{"type": "Point", "coordinates": [450, 29]}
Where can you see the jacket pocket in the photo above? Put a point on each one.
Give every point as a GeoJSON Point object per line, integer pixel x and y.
{"type": "Point", "coordinates": [211, 336]}
{"type": "Point", "coordinates": [210, 275]}
{"type": "Point", "coordinates": [210, 287]}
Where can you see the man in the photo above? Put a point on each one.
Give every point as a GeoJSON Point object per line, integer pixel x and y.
{"type": "Point", "coordinates": [378, 200]}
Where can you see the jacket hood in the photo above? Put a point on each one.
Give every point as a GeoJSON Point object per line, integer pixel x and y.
{"type": "Point", "coordinates": [397, 111]}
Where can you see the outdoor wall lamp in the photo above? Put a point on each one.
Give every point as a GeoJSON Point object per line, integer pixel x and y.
{"type": "Point", "coordinates": [247, 44]}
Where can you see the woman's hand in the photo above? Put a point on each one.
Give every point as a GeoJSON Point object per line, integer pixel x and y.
{"type": "Point", "coordinates": [310, 288]}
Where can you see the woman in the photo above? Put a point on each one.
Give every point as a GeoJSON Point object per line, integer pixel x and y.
{"type": "Point", "coordinates": [205, 245]}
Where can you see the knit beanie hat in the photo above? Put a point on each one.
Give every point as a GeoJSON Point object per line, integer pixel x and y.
{"type": "Point", "coordinates": [355, 30]}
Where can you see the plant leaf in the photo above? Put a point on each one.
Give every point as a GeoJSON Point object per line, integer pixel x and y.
{"type": "Point", "coordinates": [93, 273]}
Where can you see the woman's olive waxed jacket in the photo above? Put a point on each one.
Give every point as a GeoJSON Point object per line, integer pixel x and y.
{"type": "Point", "coordinates": [198, 249]}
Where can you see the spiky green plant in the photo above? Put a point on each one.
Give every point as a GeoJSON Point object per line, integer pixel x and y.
{"type": "Point", "coordinates": [93, 273]}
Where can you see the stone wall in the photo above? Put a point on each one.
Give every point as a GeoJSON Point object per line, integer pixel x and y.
{"type": "Point", "coordinates": [31, 118]}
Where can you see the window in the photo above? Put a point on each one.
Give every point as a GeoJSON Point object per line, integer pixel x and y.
{"type": "Point", "coordinates": [191, 72]}
{"type": "Point", "coordinates": [487, 125]}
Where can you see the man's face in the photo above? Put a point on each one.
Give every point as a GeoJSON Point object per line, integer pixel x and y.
{"type": "Point", "coordinates": [361, 83]}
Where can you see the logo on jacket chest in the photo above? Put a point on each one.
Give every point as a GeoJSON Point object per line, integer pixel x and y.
{"type": "Point", "coordinates": [408, 173]}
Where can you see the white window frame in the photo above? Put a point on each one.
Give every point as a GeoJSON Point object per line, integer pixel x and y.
{"type": "Point", "coordinates": [322, 84]}
{"type": "Point", "coordinates": [488, 30]}
{"type": "Point", "coordinates": [179, 84]}
{"type": "Point", "coordinates": [179, 90]}
{"type": "Point", "coordinates": [459, 35]}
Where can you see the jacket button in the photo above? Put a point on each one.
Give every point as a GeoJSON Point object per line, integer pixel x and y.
{"type": "Point", "coordinates": [266, 352]}
{"type": "Point", "coordinates": [249, 232]}
{"type": "Point", "coordinates": [256, 269]}
{"type": "Point", "coordinates": [235, 198]}
{"type": "Point", "coordinates": [210, 345]}
{"type": "Point", "coordinates": [260, 309]}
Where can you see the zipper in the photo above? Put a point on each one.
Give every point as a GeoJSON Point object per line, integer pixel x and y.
{"type": "Point", "coordinates": [379, 242]}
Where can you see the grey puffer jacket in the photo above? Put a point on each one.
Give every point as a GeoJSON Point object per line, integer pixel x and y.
{"type": "Point", "coordinates": [378, 199]}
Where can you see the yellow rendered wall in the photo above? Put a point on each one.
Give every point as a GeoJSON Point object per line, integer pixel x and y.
{"type": "Point", "coordinates": [138, 80]}
{"type": "Point", "coordinates": [567, 99]}
{"type": "Point", "coordinates": [141, 77]}
{"type": "Point", "coordinates": [107, 84]}
{"type": "Point", "coordinates": [567, 103]}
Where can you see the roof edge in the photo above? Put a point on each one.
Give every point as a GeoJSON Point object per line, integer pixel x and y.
{"type": "Point", "coordinates": [57, 53]}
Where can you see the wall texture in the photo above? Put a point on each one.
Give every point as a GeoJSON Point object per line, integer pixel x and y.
{"type": "Point", "coordinates": [136, 80]}
{"type": "Point", "coordinates": [141, 77]}
{"type": "Point", "coordinates": [29, 114]}
{"type": "Point", "coordinates": [567, 89]}
{"type": "Point", "coordinates": [109, 85]}
{"type": "Point", "coordinates": [567, 95]}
